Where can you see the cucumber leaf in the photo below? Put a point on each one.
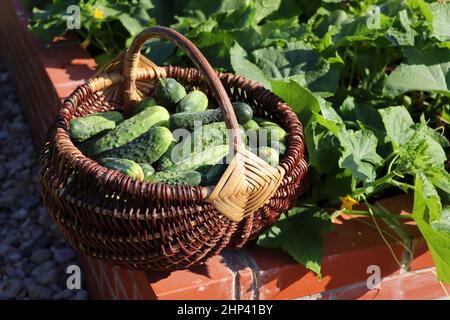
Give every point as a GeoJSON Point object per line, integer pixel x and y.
{"type": "Point", "coordinates": [441, 20]}
{"type": "Point", "coordinates": [360, 156]}
{"type": "Point", "coordinates": [302, 100]}
{"type": "Point", "coordinates": [397, 122]}
{"type": "Point", "coordinates": [323, 148]}
{"type": "Point", "coordinates": [244, 67]}
{"type": "Point", "coordinates": [432, 221]}
{"type": "Point", "coordinates": [300, 234]}
{"type": "Point", "coordinates": [424, 70]}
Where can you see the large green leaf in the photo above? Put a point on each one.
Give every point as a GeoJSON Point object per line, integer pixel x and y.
{"type": "Point", "coordinates": [360, 156]}
{"type": "Point", "coordinates": [397, 122]}
{"type": "Point", "coordinates": [240, 19]}
{"type": "Point", "coordinates": [427, 212]}
{"type": "Point", "coordinates": [323, 148]}
{"type": "Point", "coordinates": [242, 66]}
{"type": "Point", "coordinates": [441, 20]}
{"type": "Point", "coordinates": [401, 33]}
{"type": "Point", "coordinates": [300, 99]}
{"type": "Point", "coordinates": [209, 7]}
{"type": "Point", "coordinates": [299, 234]}
{"type": "Point", "coordinates": [132, 25]}
{"type": "Point", "coordinates": [424, 70]}
{"type": "Point", "coordinates": [281, 32]}
{"type": "Point", "coordinates": [362, 28]}
{"type": "Point", "coordinates": [216, 47]}
{"type": "Point", "coordinates": [265, 8]}
{"type": "Point", "coordinates": [298, 59]}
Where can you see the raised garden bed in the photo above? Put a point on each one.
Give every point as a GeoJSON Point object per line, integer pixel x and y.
{"type": "Point", "coordinates": [44, 75]}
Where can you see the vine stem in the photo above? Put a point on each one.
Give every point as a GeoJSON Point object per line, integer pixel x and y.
{"type": "Point", "coordinates": [352, 70]}
{"type": "Point", "coordinates": [381, 232]}
{"type": "Point", "coordinates": [337, 213]}
{"type": "Point", "coordinates": [401, 184]}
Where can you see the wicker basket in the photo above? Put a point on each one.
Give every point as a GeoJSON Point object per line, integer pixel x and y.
{"type": "Point", "coordinates": [148, 226]}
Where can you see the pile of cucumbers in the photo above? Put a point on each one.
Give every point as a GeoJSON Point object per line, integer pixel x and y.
{"type": "Point", "coordinates": [174, 138]}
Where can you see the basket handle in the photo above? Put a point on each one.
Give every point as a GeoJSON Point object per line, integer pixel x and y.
{"type": "Point", "coordinates": [131, 62]}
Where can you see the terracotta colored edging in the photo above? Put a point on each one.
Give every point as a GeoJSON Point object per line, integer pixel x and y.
{"type": "Point", "coordinates": [44, 75]}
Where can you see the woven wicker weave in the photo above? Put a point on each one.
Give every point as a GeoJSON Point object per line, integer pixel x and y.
{"type": "Point", "coordinates": [148, 226]}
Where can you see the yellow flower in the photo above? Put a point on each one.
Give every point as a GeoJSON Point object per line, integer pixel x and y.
{"type": "Point", "coordinates": [347, 202]}
{"type": "Point", "coordinates": [98, 14]}
{"type": "Point", "coordinates": [85, 43]}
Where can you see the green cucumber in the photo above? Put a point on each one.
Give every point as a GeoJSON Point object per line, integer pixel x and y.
{"type": "Point", "coordinates": [130, 129]}
{"type": "Point", "coordinates": [148, 170]}
{"type": "Point", "coordinates": [264, 122]}
{"type": "Point", "coordinates": [214, 174]}
{"type": "Point", "coordinates": [87, 147]}
{"type": "Point", "coordinates": [189, 120]}
{"type": "Point", "coordinates": [192, 178]}
{"type": "Point", "coordinates": [169, 91]}
{"type": "Point", "coordinates": [146, 103]}
{"type": "Point", "coordinates": [201, 161]}
{"type": "Point", "coordinates": [268, 154]}
{"type": "Point", "coordinates": [251, 125]}
{"type": "Point", "coordinates": [148, 147]}
{"type": "Point", "coordinates": [91, 125]}
{"type": "Point", "coordinates": [244, 113]}
{"type": "Point", "coordinates": [279, 146]}
{"type": "Point", "coordinates": [205, 137]}
{"type": "Point", "coordinates": [271, 133]}
{"type": "Point", "coordinates": [166, 159]}
{"type": "Point", "coordinates": [251, 132]}
{"type": "Point", "coordinates": [194, 101]}
{"type": "Point", "coordinates": [126, 166]}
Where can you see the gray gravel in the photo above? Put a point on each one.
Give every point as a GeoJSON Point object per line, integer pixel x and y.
{"type": "Point", "coordinates": [33, 254]}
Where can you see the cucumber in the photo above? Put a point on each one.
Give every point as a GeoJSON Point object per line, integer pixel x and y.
{"type": "Point", "coordinates": [186, 120]}
{"type": "Point", "coordinates": [91, 125]}
{"type": "Point", "coordinates": [148, 170]}
{"type": "Point", "coordinates": [194, 101]}
{"type": "Point", "coordinates": [268, 154]}
{"type": "Point", "coordinates": [166, 159]}
{"type": "Point", "coordinates": [130, 129]}
{"type": "Point", "coordinates": [201, 161]}
{"type": "Point", "coordinates": [147, 148]}
{"type": "Point", "coordinates": [146, 103]}
{"type": "Point", "coordinates": [273, 131]}
{"type": "Point", "coordinates": [264, 122]}
{"type": "Point", "coordinates": [126, 166]}
{"type": "Point", "coordinates": [192, 178]}
{"type": "Point", "coordinates": [169, 91]}
{"type": "Point", "coordinates": [279, 146]}
{"type": "Point", "coordinates": [270, 134]}
{"type": "Point", "coordinates": [251, 125]}
{"type": "Point", "coordinates": [244, 113]}
{"type": "Point", "coordinates": [251, 132]}
{"type": "Point", "coordinates": [215, 173]}
{"type": "Point", "coordinates": [87, 147]}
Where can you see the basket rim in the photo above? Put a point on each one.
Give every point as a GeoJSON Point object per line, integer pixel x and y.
{"type": "Point", "coordinates": [129, 186]}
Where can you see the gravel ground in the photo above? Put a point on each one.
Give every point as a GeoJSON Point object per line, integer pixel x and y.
{"type": "Point", "coordinates": [33, 254]}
